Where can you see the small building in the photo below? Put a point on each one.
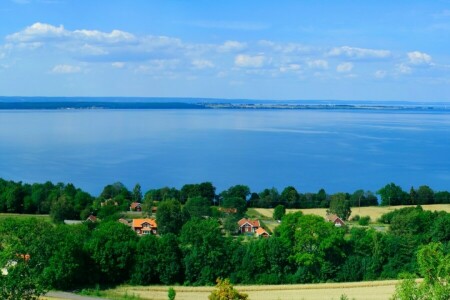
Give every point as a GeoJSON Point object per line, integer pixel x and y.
{"type": "Point", "coordinates": [91, 218]}
{"type": "Point", "coordinates": [228, 210]}
{"type": "Point", "coordinates": [135, 206]}
{"type": "Point", "coordinates": [338, 222]}
{"type": "Point", "coordinates": [248, 225]}
{"type": "Point", "coordinates": [261, 232]}
{"type": "Point", "coordinates": [144, 226]}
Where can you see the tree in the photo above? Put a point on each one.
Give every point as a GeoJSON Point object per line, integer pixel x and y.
{"type": "Point", "coordinates": [434, 267]}
{"type": "Point", "coordinates": [279, 212]}
{"type": "Point", "coordinates": [236, 202]}
{"type": "Point", "coordinates": [340, 206]}
{"type": "Point", "coordinates": [169, 217]}
{"type": "Point", "coordinates": [290, 197]}
{"type": "Point", "coordinates": [170, 266]}
{"type": "Point", "coordinates": [240, 191]}
{"type": "Point", "coordinates": [392, 194]}
{"type": "Point", "coordinates": [137, 193]}
{"type": "Point", "coordinates": [204, 252]}
{"type": "Point", "coordinates": [146, 262]}
{"type": "Point", "coordinates": [425, 195]}
{"type": "Point", "coordinates": [197, 207]}
{"type": "Point", "coordinates": [225, 291]}
{"type": "Point", "coordinates": [112, 247]}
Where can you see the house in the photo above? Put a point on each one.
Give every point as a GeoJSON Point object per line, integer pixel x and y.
{"type": "Point", "coordinates": [144, 226]}
{"type": "Point", "coordinates": [91, 218]}
{"type": "Point", "coordinates": [227, 210]}
{"type": "Point", "coordinates": [260, 232]}
{"type": "Point", "coordinates": [338, 222]}
{"type": "Point", "coordinates": [135, 206]}
{"type": "Point", "coordinates": [248, 225]}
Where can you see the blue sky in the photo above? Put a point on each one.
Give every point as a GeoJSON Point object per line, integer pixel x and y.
{"type": "Point", "coordinates": [349, 50]}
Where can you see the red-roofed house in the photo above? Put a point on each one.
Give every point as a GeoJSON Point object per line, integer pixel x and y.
{"type": "Point", "coordinates": [91, 218]}
{"type": "Point", "coordinates": [260, 232]}
{"type": "Point", "coordinates": [135, 206]}
{"type": "Point", "coordinates": [144, 226]}
{"type": "Point", "coordinates": [338, 222]}
{"type": "Point", "coordinates": [248, 225]}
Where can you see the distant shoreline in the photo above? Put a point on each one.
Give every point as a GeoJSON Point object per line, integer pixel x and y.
{"type": "Point", "coordinates": [83, 105]}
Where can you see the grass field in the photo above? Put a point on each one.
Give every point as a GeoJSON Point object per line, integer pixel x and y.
{"type": "Point", "coordinates": [374, 212]}
{"type": "Point", "coordinates": [24, 216]}
{"type": "Point", "coordinates": [369, 290]}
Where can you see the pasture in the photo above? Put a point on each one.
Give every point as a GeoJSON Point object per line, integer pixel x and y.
{"type": "Point", "coordinates": [369, 290]}
{"type": "Point", "coordinates": [374, 212]}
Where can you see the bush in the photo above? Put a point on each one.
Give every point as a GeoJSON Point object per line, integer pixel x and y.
{"type": "Point", "coordinates": [171, 294]}
{"type": "Point", "coordinates": [225, 291]}
{"type": "Point", "coordinates": [364, 221]}
{"type": "Point", "coordinates": [355, 218]}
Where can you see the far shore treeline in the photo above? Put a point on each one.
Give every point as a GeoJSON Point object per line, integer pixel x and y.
{"type": "Point", "coordinates": [197, 242]}
{"type": "Point", "coordinates": [65, 201]}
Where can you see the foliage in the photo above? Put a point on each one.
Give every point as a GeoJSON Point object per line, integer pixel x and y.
{"type": "Point", "coordinates": [225, 291]}
{"type": "Point", "coordinates": [279, 212]}
{"type": "Point", "coordinates": [340, 206]}
{"type": "Point", "coordinates": [197, 207]}
{"type": "Point", "coordinates": [112, 246]}
{"type": "Point", "coordinates": [171, 293]}
{"type": "Point", "coordinates": [392, 194]}
{"type": "Point", "coordinates": [364, 221]}
{"type": "Point", "coordinates": [236, 202]}
{"type": "Point", "coordinates": [169, 217]}
{"type": "Point", "coordinates": [434, 266]}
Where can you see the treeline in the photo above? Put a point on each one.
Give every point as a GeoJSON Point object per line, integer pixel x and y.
{"type": "Point", "coordinates": [65, 201]}
{"type": "Point", "coordinates": [303, 249]}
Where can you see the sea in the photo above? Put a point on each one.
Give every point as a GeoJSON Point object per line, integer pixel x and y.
{"type": "Point", "coordinates": [340, 150]}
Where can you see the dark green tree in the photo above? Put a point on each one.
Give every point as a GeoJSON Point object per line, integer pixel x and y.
{"type": "Point", "coordinates": [279, 212]}
{"type": "Point", "coordinates": [340, 206]}
{"type": "Point", "coordinates": [169, 217]}
{"type": "Point", "coordinates": [137, 193]}
{"type": "Point", "coordinates": [113, 249]}
{"type": "Point", "coordinates": [144, 272]}
{"type": "Point", "coordinates": [197, 207]}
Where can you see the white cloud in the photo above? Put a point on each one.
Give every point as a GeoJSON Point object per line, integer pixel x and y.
{"type": "Point", "coordinates": [202, 64]}
{"type": "Point", "coordinates": [248, 61]}
{"type": "Point", "coordinates": [45, 32]}
{"type": "Point", "coordinates": [65, 69]}
{"type": "Point", "coordinates": [290, 68]}
{"type": "Point", "coordinates": [419, 58]}
{"type": "Point", "coordinates": [344, 67]}
{"type": "Point", "coordinates": [317, 64]}
{"type": "Point", "coordinates": [38, 31]}
{"type": "Point", "coordinates": [359, 53]}
{"type": "Point", "coordinates": [230, 46]}
{"type": "Point", "coordinates": [380, 74]}
{"type": "Point", "coordinates": [404, 69]}
{"type": "Point", "coordinates": [118, 64]}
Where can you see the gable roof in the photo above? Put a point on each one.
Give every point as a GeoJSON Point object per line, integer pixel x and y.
{"type": "Point", "coordinates": [92, 218]}
{"type": "Point", "coordinates": [261, 231]}
{"type": "Point", "coordinates": [334, 218]}
{"type": "Point", "coordinates": [140, 222]}
{"type": "Point", "coordinates": [134, 205]}
{"type": "Point", "coordinates": [253, 223]}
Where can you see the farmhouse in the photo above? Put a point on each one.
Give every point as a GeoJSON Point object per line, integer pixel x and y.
{"type": "Point", "coordinates": [144, 226]}
{"type": "Point", "coordinates": [260, 232]}
{"type": "Point", "coordinates": [135, 206]}
{"type": "Point", "coordinates": [338, 222]}
{"type": "Point", "coordinates": [91, 218]}
{"type": "Point", "coordinates": [248, 225]}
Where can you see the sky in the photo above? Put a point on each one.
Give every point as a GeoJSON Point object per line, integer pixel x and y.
{"type": "Point", "coordinates": [252, 49]}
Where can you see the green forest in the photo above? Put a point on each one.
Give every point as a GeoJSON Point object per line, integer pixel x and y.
{"type": "Point", "coordinates": [197, 243]}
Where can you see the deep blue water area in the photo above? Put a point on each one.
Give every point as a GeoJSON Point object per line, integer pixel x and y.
{"type": "Point", "coordinates": [339, 150]}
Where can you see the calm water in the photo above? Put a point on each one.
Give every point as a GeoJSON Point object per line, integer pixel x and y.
{"type": "Point", "coordinates": [336, 150]}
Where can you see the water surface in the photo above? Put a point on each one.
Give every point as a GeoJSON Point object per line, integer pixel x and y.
{"type": "Point", "coordinates": [309, 149]}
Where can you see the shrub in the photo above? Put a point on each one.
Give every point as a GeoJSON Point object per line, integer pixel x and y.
{"type": "Point", "coordinates": [364, 221]}
{"type": "Point", "coordinates": [225, 291]}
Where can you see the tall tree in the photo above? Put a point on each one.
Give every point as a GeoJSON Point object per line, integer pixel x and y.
{"type": "Point", "coordinates": [169, 217]}
{"type": "Point", "coordinates": [340, 206]}
{"type": "Point", "coordinates": [137, 193]}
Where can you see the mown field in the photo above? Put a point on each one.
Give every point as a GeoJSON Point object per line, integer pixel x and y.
{"type": "Point", "coordinates": [369, 290]}
{"type": "Point", "coordinates": [374, 212]}
{"type": "Point", "coordinates": [24, 216]}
